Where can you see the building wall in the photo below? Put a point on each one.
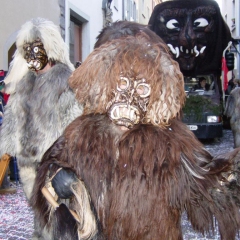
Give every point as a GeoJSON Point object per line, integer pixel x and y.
{"type": "Point", "coordinates": [89, 14]}
{"type": "Point", "coordinates": [16, 13]}
{"type": "Point", "coordinates": [138, 10]}
{"type": "Point", "coordinates": [117, 9]}
{"type": "Point", "coordinates": [91, 18]}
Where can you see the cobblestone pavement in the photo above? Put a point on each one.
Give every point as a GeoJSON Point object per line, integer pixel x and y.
{"type": "Point", "coordinates": [16, 217]}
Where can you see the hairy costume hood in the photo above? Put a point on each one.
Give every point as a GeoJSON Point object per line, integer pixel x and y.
{"type": "Point", "coordinates": [53, 43]}
{"type": "Point", "coordinates": [120, 29]}
{"type": "Point", "coordinates": [215, 36]}
{"type": "Point", "coordinates": [133, 57]}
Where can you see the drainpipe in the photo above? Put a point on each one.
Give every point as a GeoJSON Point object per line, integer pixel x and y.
{"type": "Point", "coordinates": [123, 10]}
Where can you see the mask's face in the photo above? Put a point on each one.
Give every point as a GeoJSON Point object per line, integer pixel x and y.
{"type": "Point", "coordinates": [129, 103]}
{"type": "Point", "coordinates": [35, 55]}
{"type": "Point", "coordinates": [189, 33]}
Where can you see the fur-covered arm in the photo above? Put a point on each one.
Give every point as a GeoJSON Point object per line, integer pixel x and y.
{"type": "Point", "coordinates": [210, 199]}
{"type": "Point", "coordinates": [229, 176]}
{"type": "Point", "coordinates": [8, 130]}
{"type": "Point", "coordinates": [49, 167]}
{"type": "Point", "coordinates": [70, 108]}
{"type": "Point", "coordinates": [55, 159]}
{"type": "Point", "coordinates": [230, 106]}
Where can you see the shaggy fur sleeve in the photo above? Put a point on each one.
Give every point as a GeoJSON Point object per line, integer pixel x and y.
{"type": "Point", "coordinates": [8, 129]}
{"type": "Point", "coordinates": [230, 105]}
{"type": "Point", "coordinates": [218, 202]}
{"type": "Point", "coordinates": [68, 106]}
{"type": "Point", "coordinates": [171, 165]}
{"type": "Point", "coordinates": [38, 201]}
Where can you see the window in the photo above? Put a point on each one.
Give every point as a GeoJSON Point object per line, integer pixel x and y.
{"type": "Point", "coordinates": [128, 10]}
{"type": "Point", "coordinates": [134, 12]}
{"type": "Point", "coordinates": [75, 41]}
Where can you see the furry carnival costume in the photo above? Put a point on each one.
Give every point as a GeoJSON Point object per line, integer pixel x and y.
{"type": "Point", "coordinates": [41, 105]}
{"type": "Point", "coordinates": [128, 167]}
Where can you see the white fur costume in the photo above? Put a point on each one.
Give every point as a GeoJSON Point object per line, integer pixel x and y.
{"type": "Point", "coordinates": [40, 105]}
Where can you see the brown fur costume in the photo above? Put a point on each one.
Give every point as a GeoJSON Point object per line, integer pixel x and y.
{"type": "Point", "coordinates": [140, 181]}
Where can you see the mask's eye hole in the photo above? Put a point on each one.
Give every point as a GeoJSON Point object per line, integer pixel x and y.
{"type": "Point", "coordinates": [172, 24]}
{"type": "Point", "coordinates": [200, 22]}
{"type": "Point", "coordinates": [35, 49]}
{"type": "Point", "coordinates": [123, 84]}
{"type": "Point", "coordinates": [143, 89]}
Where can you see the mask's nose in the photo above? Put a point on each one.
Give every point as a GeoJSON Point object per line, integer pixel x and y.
{"type": "Point", "coordinates": [131, 96]}
{"type": "Point", "coordinates": [32, 55]}
{"type": "Point", "coordinates": [187, 37]}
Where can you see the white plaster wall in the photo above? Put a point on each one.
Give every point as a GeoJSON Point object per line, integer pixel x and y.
{"type": "Point", "coordinates": [15, 13]}
{"type": "Point", "coordinates": [117, 10]}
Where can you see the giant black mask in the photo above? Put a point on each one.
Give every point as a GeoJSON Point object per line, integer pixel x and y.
{"type": "Point", "coordinates": [195, 33]}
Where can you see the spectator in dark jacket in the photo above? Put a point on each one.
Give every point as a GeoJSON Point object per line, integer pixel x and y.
{"type": "Point", "coordinates": [202, 84]}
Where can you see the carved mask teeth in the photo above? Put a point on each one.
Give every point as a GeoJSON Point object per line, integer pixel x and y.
{"type": "Point", "coordinates": [124, 114]}
{"type": "Point", "coordinates": [175, 50]}
{"type": "Point", "coordinates": [202, 49]}
{"type": "Point", "coordinates": [196, 51]}
{"type": "Point", "coordinates": [172, 49]}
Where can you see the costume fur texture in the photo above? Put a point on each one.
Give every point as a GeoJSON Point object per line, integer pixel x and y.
{"type": "Point", "coordinates": [232, 110]}
{"type": "Point", "coordinates": [35, 116]}
{"type": "Point", "coordinates": [141, 193]}
{"type": "Point", "coordinates": [52, 40]}
{"type": "Point", "coordinates": [40, 105]}
{"type": "Point", "coordinates": [140, 181]}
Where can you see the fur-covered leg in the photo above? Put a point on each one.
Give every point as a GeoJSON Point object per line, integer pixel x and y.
{"type": "Point", "coordinates": [64, 224]}
{"type": "Point", "coordinates": [41, 233]}
{"type": "Point", "coordinates": [27, 176]}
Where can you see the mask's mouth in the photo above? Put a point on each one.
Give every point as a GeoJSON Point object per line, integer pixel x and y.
{"type": "Point", "coordinates": [34, 65]}
{"type": "Point", "coordinates": [185, 52]}
{"type": "Point", "coordinates": [124, 115]}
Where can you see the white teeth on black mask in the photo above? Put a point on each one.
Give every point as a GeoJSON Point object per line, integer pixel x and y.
{"type": "Point", "coordinates": [196, 51]}
{"type": "Point", "coordinates": [202, 49]}
{"type": "Point", "coordinates": [175, 50]}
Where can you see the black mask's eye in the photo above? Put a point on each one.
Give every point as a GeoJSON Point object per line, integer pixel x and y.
{"type": "Point", "coordinates": [200, 22]}
{"type": "Point", "coordinates": [173, 24]}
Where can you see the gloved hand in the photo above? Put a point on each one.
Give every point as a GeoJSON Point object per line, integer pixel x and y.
{"type": "Point", "coordinates": [62, 183]}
